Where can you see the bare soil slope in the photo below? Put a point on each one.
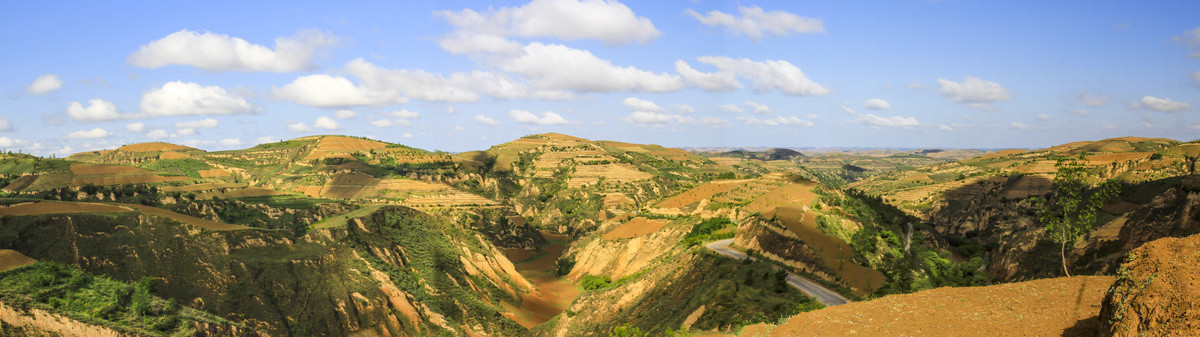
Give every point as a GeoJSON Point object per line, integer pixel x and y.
{"type": "Point", "coordinates": [1048, 307]}
{"type": "Point", "coordinates": [1158, 291]}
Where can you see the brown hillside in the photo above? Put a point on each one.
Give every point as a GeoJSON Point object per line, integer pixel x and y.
{"type": "Point", "coordinates": [153, 147]}
{"type": "Point", "coordinates": [1158, 291]}
{"type": "Point", "coordinates": [1048, 307]}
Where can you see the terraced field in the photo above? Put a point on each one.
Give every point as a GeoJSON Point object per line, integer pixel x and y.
{"type": "Point", "coordinates": [635, 227]}
{"type": "Point", "coordinates": [54, 207]}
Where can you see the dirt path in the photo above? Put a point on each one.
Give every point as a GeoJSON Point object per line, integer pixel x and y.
{"type": "Point", "coordinates": [824, 295]}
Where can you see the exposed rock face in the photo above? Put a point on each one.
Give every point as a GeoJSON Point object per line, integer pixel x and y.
{"type": "Point", "coordinates": [1157, 292]}
{"type": "Point", "coordinates": [772, 240]}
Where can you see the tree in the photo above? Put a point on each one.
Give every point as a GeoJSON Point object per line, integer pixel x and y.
{"type": "Point", "coordinates": [1072, 210]}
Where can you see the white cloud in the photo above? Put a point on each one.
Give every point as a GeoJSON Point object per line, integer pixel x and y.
{"type": "Point", "coordinates": [547, 118]}
{"type": "Point", "coordinates": [230, 142]}
{"type": "Point", "coordinates": [323, 90]}
{"type": "Point", "coordinates": [97, 110]}
{"type": "Point", "coordinates": [387, 123]}
{"type": "Point", "coordinates": [1021, 126]}
{"type": "Point", "coordinates": [778, 120]}
{"type": "Point", "coordinates": [731, 108]}
{"type": "Point", "coordinates": [877, 104]}
{"type": "Point", "coordinates": [1163, 104]}
{"type": "Point", "coordinates": [157, 134]}
{"type": "Point", "coordinates": [184, 132]}
{"type": "Point", "coordinates": [975, 93]}
{"type": "Point", "coordinates": [639, 104]}
{"type": "Point", "coordinates": [207, 123]}
{"type": "Point", "coordinates": [218, 52]}
{"type": "Point", "coordinates": [558, 67]}
{"type": "Point", "coordinates": [406, 135]}
{"type": "Point", "coordinates": [916, 85]}
{"type": "Point", "coordinates": [138, 127]}
{"type": "Point", "coordinates": [894, 121]}
{"type": "Point", "coordinates": [326, 123]}
{"type": "Point", "coordinates": [179, 99]}
{"type": "Point", "coordinates": [656, 119]}
{"type": "Point", "coordinates": [379, 86]}
{"type": "Point", "coordinates": [89, 134]}
{"type": "Point", "coordinates": [944, 127]}
{"type": "Point", "coordinates": [682, 108]}
{"type": "Point", "coordinates": [5, 124]}
{"type": "Point", "coordinates": [605, 20]}
{"type": "Point", "coordinates": [1196, 76]}
{"type": "Point", "coordinates": [1098, 100]}
{"type": "Point", "coordinates": [754, 22]}
{"type": "Point", "coordinates": [1190, 40]}
{"type": "Point", "coordinates": [485, 120]}
{"type": "Point", "coordinates": [459, 128]}
{"type": "Point", "coordinates": [757, 107]}
{"type": "Point", "coordinates": [764, 76]}
{"type": "Point", "coordinates": [344, 114]}
{"type": "Point", "coordinates": [847, 109]}
{"type": "Point", "coordinates": [716, 81]}
{"type": "Point", "coordinates": [463, 42]}
{"type": "Point", "coordinates": [12, 142]}
{"type": "Point", "coordinates": [264, 139]}
{"type": "Point", "coordinates": [1044, 117]}
{"type": "Point", "coordinates": [404, 113]}
{"type": "Point", "coordinates": [44, 84]}
{"type": "Point", "coordinates": [298, 127]}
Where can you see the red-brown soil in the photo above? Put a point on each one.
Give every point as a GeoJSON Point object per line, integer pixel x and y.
{"type": "Point", "coordinates": [10, 259]}
{"type": "Point", "coordinates": [634, 228]}
{"type": "Point", "coordinates": [1047, 307]}
{"type": "Point", "coordinates": [1158, 291]}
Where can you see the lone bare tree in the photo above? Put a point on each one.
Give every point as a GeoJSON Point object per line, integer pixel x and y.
{"type": "Point", "coordinates": [1073, 208]}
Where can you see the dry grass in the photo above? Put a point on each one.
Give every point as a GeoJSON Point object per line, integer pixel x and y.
{"type": "Point", "coordinates": [173, 155]}
{"type": "Point", "coordinates": [188, 219]}
{"type": "Point", "coordinates": [54, 207]}
{"type": "Point", "coordinates": [153, 147]}
{"type": "Point", "coordinates": [333, 146]}
{"type": "Point", "coordinates": [92, 169]}
{"type": "Point", "coordinates": [10, 259]}
{"type": "Point", "coordinates": [698, 193]}
{"type": "Point", "coordinates": [634, 228]}
{"type": "Point", "coordinates": [213, 173]}
{"type": "Point", "coordinates": [1109, 158]}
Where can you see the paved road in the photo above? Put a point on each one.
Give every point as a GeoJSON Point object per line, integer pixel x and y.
{"type": "Point", "coordinates": [827, 297]}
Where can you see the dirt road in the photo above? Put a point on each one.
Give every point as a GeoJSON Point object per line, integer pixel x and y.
{"type": "Point", "coordinates": [824, 295]}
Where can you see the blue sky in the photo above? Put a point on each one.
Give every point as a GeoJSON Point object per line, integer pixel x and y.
{"type": "Point", "coordinates": [461, 75]}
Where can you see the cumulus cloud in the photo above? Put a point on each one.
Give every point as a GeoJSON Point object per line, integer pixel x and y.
{"type": "Point", "coordinates": [877, 104]}
{"type": "Point", "coordinates": [298, 127]}
{"type": "Point", "coordinates": [219, 52]}
{"type": "Point", "coordinates": [894, 121]}
{"type": "Point", "coordinates": [157, 134]}
{"type": "Point", "coordinates": [89, 134]}
{"type": "Point", "coordinates": [5, 124]}
{"type": "Point", "coordinates": [916, 85]}
{"type": "Point", "coordinates": [207, 123]}
{"type": "Point", "coordinates": [658, 119]}
{"type": "Point", "coordinates": [230, 142]}
{"type": "Point", "coordinates": [344, 114]}
{"type": "Point", "coordinates": [757, 107]}
{"type": "Point", "coordinates": [138, 127]}
{"type": "Point", "coordinates": [547, 118]}
{"type": "Point", "coordinates": [642, 105]}
{"type": "Point", "coordinates": [608, 21]}
{"type": "Point", "coordinates": [731, 108]}
{"type": "Point", "coordinates": [1021, 126]}
{"type": "Point", "coordinates": [764, 76]}
{"type": "Point", "coordinates": [180, 99]}
{"type": "Point", "coordinates": [97, 110]}
{"type": "Point", "coordinates": [716, 81]}
{"type": "Point", "coordinates": [1098, 100]}
{"type": "Point", "coordinates": [463, 42]}
{"type": "Point", "coordinates": [1044, 117]}
{"type": "Point", "coordinates": [754, 22]}
{"type": "Point", "coordinates": [558, 67]}
{"type": "Point", "coordinates": [1162, 104]}
{"type": "Point", "coordinates": [12, 142]}
{"type": "Point", "coordinates": [682, 108]}
{"type": "Point", "coordinates": [404, 113]}
{"type": "Point", "coordinates": [485, 120]}
{"type": "Point", "coordinates": [778, 120]}
{"type": "Point", "coordinates": [1190, 40]}
{"type": "Point", "coordinates": [379, 86]}
{"type": "Point", "coordinates": [326, 123]}
{"type": "Point", "coordinates": [974, 92]}
{"type": "Point", "coordinates": [44, 84]}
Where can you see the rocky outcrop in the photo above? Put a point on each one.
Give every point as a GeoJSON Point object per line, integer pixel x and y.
{"type": "Point", "coordinates": [1157, 292]}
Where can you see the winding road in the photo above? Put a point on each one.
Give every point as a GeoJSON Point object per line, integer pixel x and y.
{"type": "Point", "coordinates": [824, 295]}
